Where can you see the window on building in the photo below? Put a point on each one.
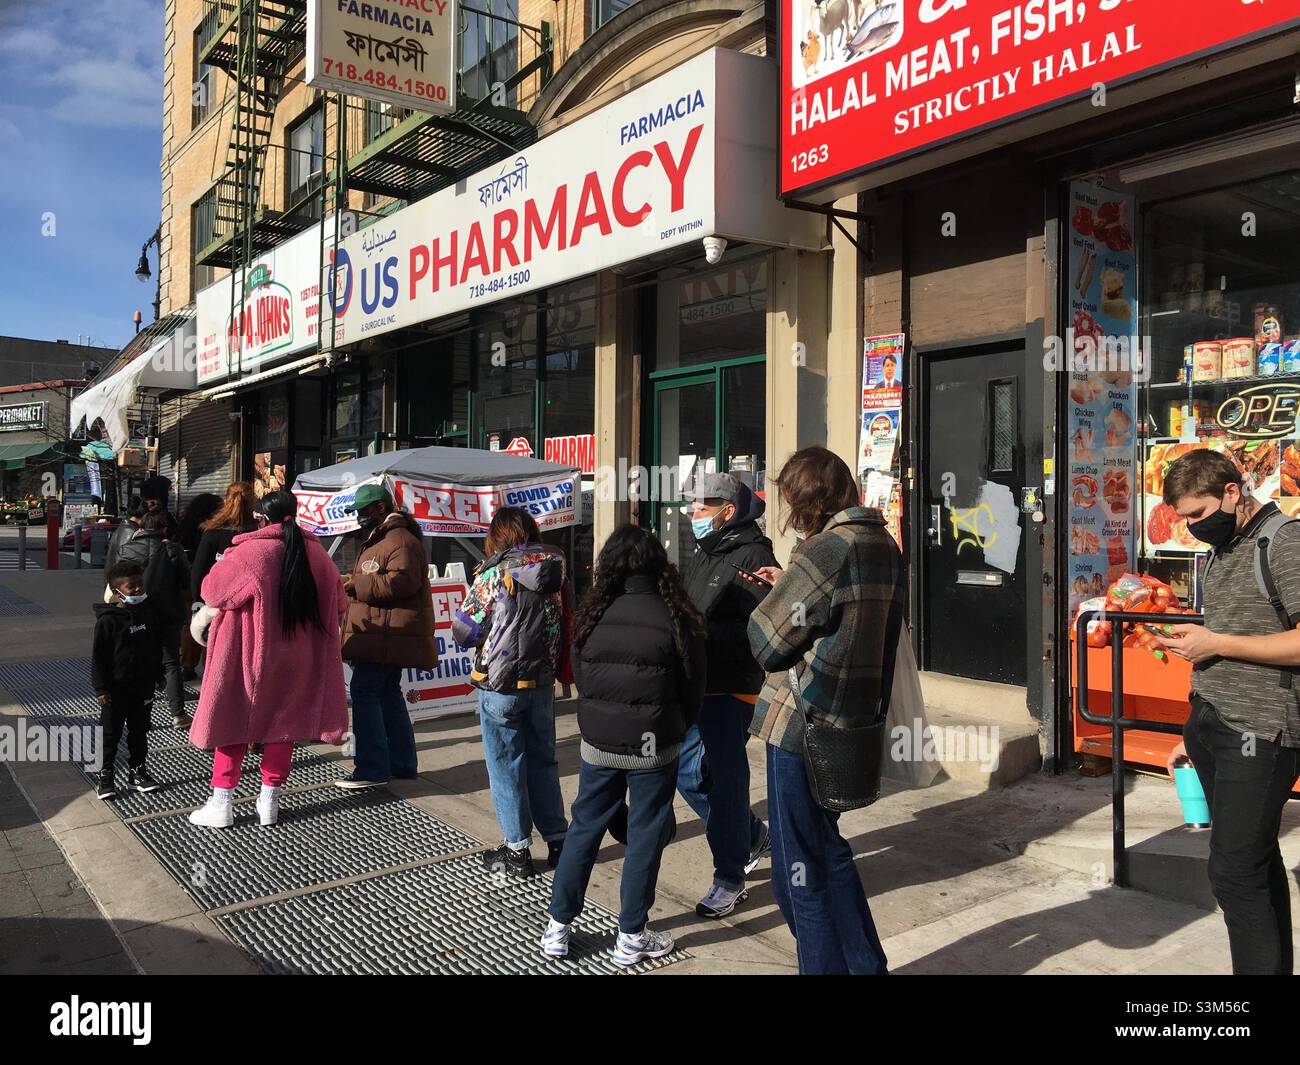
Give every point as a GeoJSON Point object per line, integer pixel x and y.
{"type": "Point", "coordinates": [306, 161]}
{"type": "Point", "coordinates": [569, 376]}
{"type": "Point", "coordinates": [505, 343]}
{"type": "Point", "coordinates": [604, 10]}
{"type": "Point", "coordinates": [489, 51]}
{"type": "Point", "coordinates": [203, 229]}
{"type": "Point", "coordinates": [711, 316]}
{"type": "Point", "coordinates": [204, 78]}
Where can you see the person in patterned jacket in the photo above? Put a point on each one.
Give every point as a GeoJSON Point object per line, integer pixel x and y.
{"type": "Point", "coordinates": [518, 615]}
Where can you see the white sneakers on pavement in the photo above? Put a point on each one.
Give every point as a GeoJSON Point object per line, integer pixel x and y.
{"type": "Point", "coordinates": [268, 805]}
{"type": "Point", "coordinates": [216, 812]}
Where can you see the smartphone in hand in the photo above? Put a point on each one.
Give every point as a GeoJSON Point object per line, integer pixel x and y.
{"type": "Point", "coordinates": [760, 581]}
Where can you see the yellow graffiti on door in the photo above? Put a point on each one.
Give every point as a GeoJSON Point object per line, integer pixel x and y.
{"type": "Point", "coordinates": [968, 521]}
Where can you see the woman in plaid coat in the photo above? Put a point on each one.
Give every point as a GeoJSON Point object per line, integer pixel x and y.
{"type": "Point", "coordinates": [834, 615]}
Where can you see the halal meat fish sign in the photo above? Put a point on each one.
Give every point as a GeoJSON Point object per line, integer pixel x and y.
{"type": "Point", "coordinates": [263, 320]}
{"type": "Point", "coordinates": [867, 82]}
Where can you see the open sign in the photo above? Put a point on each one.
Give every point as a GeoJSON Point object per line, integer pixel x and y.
{"type": "Point", "coordinates": [1263, 412]}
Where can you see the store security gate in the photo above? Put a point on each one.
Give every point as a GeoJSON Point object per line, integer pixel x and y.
{"type": "Point", "coordinates": [346, 882]}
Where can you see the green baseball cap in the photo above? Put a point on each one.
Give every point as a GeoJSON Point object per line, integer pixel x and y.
{"type": "Point", "coordinates": [367, 494]}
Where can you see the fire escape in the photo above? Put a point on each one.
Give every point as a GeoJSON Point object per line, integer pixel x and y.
{"type": "Point", "coordinates": [389, 156]}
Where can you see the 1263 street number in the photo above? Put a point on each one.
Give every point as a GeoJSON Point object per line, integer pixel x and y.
{"type": "Point", "coordinates": [812, 157]}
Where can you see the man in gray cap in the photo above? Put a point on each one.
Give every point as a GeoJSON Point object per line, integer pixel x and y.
{"type": "Point", "coordinates": [713, 773]}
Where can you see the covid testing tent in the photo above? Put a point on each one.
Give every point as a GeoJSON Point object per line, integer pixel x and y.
{"type": "Point", "coordinates": [451, 492]}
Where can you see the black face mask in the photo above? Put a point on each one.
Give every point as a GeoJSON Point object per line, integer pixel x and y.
{"type": "Point", "coordinates": [1217, 530]}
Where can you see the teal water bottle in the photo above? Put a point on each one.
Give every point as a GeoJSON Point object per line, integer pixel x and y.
{"type": "Point", "coordinates": [1196, 810]}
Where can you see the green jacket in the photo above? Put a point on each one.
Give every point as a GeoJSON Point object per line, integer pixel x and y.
{"type": "Point", "coordinates": [835, 614]}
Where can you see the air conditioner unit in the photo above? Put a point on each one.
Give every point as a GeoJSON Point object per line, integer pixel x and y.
{"type": "Point", "coordinates": [137, 458]}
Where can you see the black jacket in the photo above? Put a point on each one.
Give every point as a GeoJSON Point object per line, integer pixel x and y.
{"type": "Point", "coordinates": [726, 599]}
{"type": "Point", "coordinates": [212, 545]}
{"type": "Point", "coordinates": [166, 579]}
{"type": "Point", "coordinates": [631, 680]}
{"type": "Point", "coordinates": [126, 652]}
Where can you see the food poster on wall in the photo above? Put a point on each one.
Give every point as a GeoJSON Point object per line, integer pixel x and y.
{"type": "Point", "coordinates": [269, 472]}
{"type": "Point", "coordinates": [1270, 467]}
{"type": "Point", "coordinates": [1101, 351]}
{"type": "Point", "coordinates": [882, 419]}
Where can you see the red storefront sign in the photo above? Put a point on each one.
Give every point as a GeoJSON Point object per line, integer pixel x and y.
{"type": "Point", "coordinates": [867, 81]}
{"type": "Point", "coordinates": [577, 451]}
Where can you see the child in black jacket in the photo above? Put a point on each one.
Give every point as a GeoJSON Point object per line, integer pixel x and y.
{"type": "Point", "coordinates": [126, 659]}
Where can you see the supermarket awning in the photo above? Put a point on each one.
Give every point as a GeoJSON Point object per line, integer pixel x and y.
{"type": "Point", "coordinates": [164, 365]}
{"type": "Point", "coordinates": [16, 456]}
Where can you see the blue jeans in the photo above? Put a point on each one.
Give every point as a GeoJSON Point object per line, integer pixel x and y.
{"type": "Point", "coordinates": [600, 795]}
{"type": "Point", "coordinates": [381, 724]}
{"type": "Point", "coordinates": [519, 748]}
{"type": "Point", "coordinates": [814, 879]}
{"type": "Point", "coordinates": [713, 778]}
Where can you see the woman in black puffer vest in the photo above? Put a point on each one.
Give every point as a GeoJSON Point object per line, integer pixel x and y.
{"type": "Point", "coordinates": [639, 667]}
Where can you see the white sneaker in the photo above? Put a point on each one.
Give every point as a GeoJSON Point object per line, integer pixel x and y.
{"type": "Point", "coordinates": [555, 940]}
{"type": "Point", "coordinates": [216, 812]}
{"type": "Point", "coordinates": [720, 901]}
{"type": "Point", "coordinates": [268, 805]}
{"type": "Point", "coordinates": [645, 944]}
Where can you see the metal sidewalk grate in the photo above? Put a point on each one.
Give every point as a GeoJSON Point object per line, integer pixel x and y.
{"type": "Point", "coordinates": [13, 605]}
{"type": "Point", "coordinates": [185, 774]}
{"type": "Point", "coordinates": [60, 687]}
{"type": "Point", "coordinates": [451, 917]}
{"type": "Point", "coordinates": [322, 836]}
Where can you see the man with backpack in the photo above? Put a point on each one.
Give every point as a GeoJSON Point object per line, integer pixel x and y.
{"type": "Point", "coordinates": [1243, 735]}
{"type": "Point", "coordinates": [166, 580]}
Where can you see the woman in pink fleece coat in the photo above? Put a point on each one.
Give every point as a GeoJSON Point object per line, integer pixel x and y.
{"type": "Point", "coordinates": [274, 674]}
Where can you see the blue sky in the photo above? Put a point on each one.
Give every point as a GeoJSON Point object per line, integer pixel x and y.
{"type": "Point", "coordinates": [81, 137]}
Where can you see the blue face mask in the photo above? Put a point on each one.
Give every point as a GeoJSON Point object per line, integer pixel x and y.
{"type": "Point", "coordinates": [134, 600]}
{"type": "Point", "coordinates": [701, 527]}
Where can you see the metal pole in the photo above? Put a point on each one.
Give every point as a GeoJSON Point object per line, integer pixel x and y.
{"type": "Point", "coordinates": [22, 546]}
{"type": "Point", "coordinates": [76, 544]}
{"type": "Point", "coordinates": [1117, 750]}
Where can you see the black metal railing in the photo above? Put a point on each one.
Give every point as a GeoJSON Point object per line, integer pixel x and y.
{"type": "Point", "coordinates": [1116, 720]}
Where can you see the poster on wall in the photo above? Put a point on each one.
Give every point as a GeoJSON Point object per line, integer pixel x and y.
{"type": "Point", "coordinates": [269, 472]}
{"type": "Point", "coordinates": [882, 418]}
{"type": "Point", "coordinates": [402, 52]}
{"type": "Point", "coordinates": [1103, 353]}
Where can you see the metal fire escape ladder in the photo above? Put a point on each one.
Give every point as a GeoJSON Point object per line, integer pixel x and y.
{"type": "Point", "coordinates": [255, 44]}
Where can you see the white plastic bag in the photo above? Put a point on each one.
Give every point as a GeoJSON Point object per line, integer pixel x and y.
{"type": "Point", "coordinates": [906, 725]}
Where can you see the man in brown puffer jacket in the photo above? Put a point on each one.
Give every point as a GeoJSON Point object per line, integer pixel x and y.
{"type": "Point", "coordinates": [389, 627]}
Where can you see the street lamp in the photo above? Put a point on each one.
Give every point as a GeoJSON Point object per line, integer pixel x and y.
{"type": "Point", "coordinates": [142, 268]}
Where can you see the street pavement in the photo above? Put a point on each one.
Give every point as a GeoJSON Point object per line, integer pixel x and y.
{"type": "Point", "coordinates": [961, 879]}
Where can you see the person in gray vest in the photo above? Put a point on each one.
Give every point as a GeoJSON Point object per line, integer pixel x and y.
{"type": "Point", "coordinates": [1243, 735]}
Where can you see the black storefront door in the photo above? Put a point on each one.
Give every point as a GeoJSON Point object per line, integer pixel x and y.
{"type": "Point", "coordinates": [973, 552]}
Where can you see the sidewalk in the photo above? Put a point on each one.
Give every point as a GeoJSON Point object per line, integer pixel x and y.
{"type": "Point", "coordinates": [389, 881]}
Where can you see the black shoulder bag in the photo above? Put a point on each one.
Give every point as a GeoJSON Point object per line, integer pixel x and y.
{"type": "Point", "coordinates": [844, 765]}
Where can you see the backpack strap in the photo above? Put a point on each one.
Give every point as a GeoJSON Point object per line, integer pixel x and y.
{"type": "Point", "coordinates": [1264, 577]}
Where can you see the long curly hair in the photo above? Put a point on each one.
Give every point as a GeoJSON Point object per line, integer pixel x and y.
{"type": "Point", "coordinates": [632, 550]}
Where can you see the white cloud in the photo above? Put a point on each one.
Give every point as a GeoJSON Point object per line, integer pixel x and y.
{"type": "Point", "coordinates": [104, 72]}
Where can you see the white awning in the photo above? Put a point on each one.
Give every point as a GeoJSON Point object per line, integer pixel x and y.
{"type": "Point", "coordinates": [163, 366]}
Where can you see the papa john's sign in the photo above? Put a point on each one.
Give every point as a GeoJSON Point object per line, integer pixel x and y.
{"type": "Point", "coordinates": [865, 82]}
{"type": "Point", "coordinates": [271, 314]}
{"type": "Point", "coordinates": [688, 155]}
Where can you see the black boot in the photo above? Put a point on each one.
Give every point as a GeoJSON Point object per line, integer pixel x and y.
{"type": "Point", "coordinates": [553, 850]}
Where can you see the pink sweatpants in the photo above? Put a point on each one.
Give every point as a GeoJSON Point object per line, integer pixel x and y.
{"type": "Point", "coordinates": [227, 762]}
